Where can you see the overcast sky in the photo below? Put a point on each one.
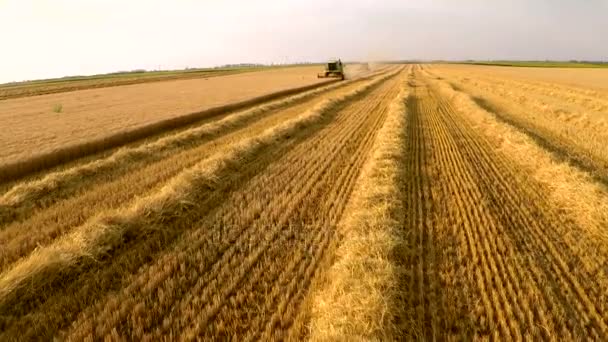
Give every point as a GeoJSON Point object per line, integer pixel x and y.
{"type": "Point", "coordinates": [40, 39]}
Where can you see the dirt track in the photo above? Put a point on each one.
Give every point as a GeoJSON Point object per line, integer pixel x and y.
{"type": "Point", "coordinates": [229, 229]}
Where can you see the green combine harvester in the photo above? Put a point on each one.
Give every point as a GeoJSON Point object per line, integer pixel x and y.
{"type": "Point", "coordinates": [334, 68]}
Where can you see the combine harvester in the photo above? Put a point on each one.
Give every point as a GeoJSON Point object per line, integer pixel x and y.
{"type": "Point", "coordinates": [334, 68]}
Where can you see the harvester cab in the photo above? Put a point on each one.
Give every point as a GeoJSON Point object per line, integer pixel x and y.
{"type": "Point", "coordinates": [334, 68]}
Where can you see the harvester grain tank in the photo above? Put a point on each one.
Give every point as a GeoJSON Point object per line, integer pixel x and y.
{"type": "Point", "coordinates": [333, 68]}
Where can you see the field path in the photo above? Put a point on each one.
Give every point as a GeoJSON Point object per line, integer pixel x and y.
{"type": "Point", "coordinates": [485, 256]}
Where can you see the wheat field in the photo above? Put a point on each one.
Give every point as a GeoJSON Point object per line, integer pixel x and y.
{"type": "Point", "coordinates": [409, 202]}
{"type": "Point", "coordinates": [46, 125]}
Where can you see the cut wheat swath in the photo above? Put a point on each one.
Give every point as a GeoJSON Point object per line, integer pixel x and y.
{"type": "Point", "coordinates": [359, 300]}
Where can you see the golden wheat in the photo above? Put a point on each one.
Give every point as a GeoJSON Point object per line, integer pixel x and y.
{"type": "Point", "coordinates": [359, 299]}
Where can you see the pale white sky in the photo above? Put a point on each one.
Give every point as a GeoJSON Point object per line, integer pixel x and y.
{"type": "Point", "coordinates": [51, 38]}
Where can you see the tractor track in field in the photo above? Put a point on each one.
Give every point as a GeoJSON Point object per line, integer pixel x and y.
{"type": "Point", "coordinates": [223, 270]}
{"type": "Point", "coordinates": [485, 254]}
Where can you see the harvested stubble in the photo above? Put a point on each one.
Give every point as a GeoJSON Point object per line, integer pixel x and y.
{"type": "Point", "coordinates": [590, 80]}
{"type": "Point", "coordinates": [487, 255]}
{"type": "Point", "coordinates": [113, 187]}
{"type": "Point", "coordinates": [181, 209]}
{"type": "Point", "coordinates": [581, 249]}
{"type": "Point", "coordinates": [366, 218]}
{"type": "Point", "coordinates": [568, 188]}
{"type": "Point", "coordinates": [33, 191]}
{"type": "Point", "coordinates": [566, 119]}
